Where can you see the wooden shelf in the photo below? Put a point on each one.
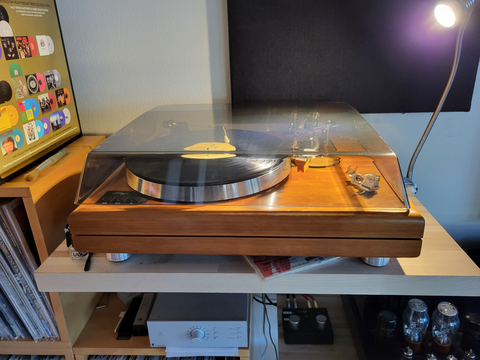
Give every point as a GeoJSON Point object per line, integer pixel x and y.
{"type": "Point", "coordinates": [343, 346]}
{"type": "Point", "coordinates": [48, 201]}
{"type": "Point", "coordinates": [19, 187]}
{"type": "Point", "coordinates": [29, 347]}
{"type": "Point", "coordinates": [443, 268]}
{"type": "Point", "coordinates": [98, 336]}
{"type": "Point", "coordinates": [49, 198]}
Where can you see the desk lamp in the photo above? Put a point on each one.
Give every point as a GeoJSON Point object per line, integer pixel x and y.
{"type": "Point", "coordinates": [448, 13]}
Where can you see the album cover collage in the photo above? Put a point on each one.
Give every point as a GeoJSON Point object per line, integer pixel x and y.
{"type": "Point", "coordinates": [32, 104]}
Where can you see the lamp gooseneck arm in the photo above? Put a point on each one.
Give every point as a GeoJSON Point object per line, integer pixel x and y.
{"type": "Point", "coordinates": [458, 49]}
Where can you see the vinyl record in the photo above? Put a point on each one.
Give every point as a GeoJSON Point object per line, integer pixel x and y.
{"type": "Point", "coordinates": [50, 46]}
{"type": "Point", "coordinates": [58, 78]}
{"type": "Point", "coordinates": [41, 82]}
{"type": "Point", "coordinates": [32, 84]}
{"type": "Point", "coordinates": [5, 29]}
{"type": "Point", "coordinates": [46, 126]}
{"type": "Point", "coordinates": [5, 91]}
{"type": "Point", "coordinates": [35, 107]}
{"type": "Point", "coordinates": [203, 180]}
{"type": "Point", "coordinates": [4, 14]}
{"type": "Point", "coordinates": [40, 128]}
{"type": "Point", "coordinates": [53, 102]}
{"type": "Point", "coordinates": [33, 46]}
{"type": "Point", "coordinates": [12, 114]}
{"type": "Point", "coordinates": [15, 70]}
{"type": "Point", "coordinates": [68, 116]}
{"type": "Point", "coordinates": [67, 95]}
{"type": "Point", "coordinates": [18, 137]}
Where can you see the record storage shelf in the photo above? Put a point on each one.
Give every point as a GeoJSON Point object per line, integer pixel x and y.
{"type": "Point", "coordinates": [442, 269]}
{"type": "Point", "coordinates": [48, 200]}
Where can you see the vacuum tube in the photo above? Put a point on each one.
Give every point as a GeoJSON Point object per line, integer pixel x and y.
{"type": "Point", "coordinates": [471, 333]}
{"type": "Point", "coordinates": [469, 355]}
{"type": "Point", "coordinates": [445, 323]}
{"type": "Point", "coordinates": [385, 330]}
{"type": "Point", "coordinates": [407, 354]}
{"type": "Point", "coordinates": [415, 323]}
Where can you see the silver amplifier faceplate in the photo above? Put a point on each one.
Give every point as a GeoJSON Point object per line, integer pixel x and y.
{"type": "Point", "coordinates": [199, 320]}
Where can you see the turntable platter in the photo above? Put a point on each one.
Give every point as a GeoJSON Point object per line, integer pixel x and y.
{"type": "Point", "coordinates": [181, 179]}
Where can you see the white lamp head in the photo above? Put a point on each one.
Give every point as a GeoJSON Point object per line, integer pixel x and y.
{"type": "Point", "coordinates": [451, 12]}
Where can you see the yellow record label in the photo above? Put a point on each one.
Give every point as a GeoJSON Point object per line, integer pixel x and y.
{"type": "Point", "coordinates": [208, 156]}
{"type": "Point", "coordinates": [211, 146]}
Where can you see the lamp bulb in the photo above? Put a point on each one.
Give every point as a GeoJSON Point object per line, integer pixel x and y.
{"type": "Point", "coordinates": [445, 15]}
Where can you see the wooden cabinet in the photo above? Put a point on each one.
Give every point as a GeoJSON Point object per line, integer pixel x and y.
{"type": "Point", "coordinates": [49, 199]}
{"type": "Point", "coordinates": [442, 269]}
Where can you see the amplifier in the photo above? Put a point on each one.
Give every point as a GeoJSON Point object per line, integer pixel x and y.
{"type": "Point", "coordinates": [199, 320]}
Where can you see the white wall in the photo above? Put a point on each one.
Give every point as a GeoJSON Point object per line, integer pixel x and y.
{"type": "Point", "coordinates": [127, 57]}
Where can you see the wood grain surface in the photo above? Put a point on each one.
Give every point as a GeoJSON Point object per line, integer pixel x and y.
{"type": "Point", "coordinates": [311, 213]}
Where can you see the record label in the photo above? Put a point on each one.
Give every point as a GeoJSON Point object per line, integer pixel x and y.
{"type": "Point", "coordinates": [46, 126]}
{"type": "Point", "coordinates": [5, 92]}
{"type": "Point", "coordinates": [40, 128]}
{"type": "Point", "coordinates": [18, 137]}
{"type": "Point", "coordinates": [41, 82]}
{"type": "Point", "coordinates": [68, 116]}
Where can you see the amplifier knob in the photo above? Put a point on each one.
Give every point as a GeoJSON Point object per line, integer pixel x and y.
{"type": "Point", "coordinates": [196, 336]}
{"type": "Point", "coordinates": [294, 320]}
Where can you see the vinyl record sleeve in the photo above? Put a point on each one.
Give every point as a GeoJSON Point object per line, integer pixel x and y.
{"type": "Point", "coordinates": [15, 268]}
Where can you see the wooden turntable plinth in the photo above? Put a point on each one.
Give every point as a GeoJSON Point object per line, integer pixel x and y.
{"type": "Point", "coordinates": [316, 213]}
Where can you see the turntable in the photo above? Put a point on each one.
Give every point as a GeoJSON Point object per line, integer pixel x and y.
{"type": "Point", "coordinates": [196, 179]}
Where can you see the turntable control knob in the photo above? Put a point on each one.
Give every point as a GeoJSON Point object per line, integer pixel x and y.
{"type": "Point", "coordinates": [196, 336]}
